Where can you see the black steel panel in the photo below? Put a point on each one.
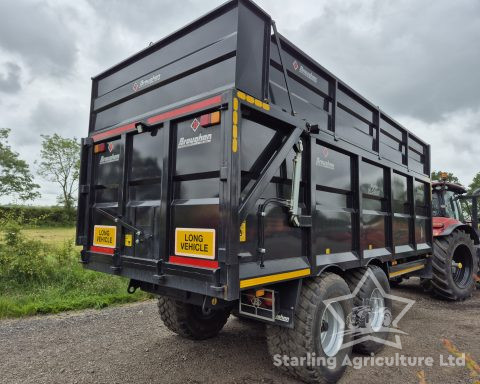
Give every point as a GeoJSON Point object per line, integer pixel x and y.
{"type": "Point", "coordinates": [299, 66]}
{"type": "Point", "coordinates": [372, 180]}
{"type": "Point", "coordinates": [401, 203]}
{"type": "Point", "coordinates": [354, 105]}
{"type": "Point", "coordinates": [108, 164]}
{"type": "Point", "coordinates": [197, 150]}
{"type": "Point", "coordinates": [373, 233]}
{"type": "Point", "coordinates": [147, 156]}
{"type": "Point", "coordinates": [172, 72]}
{"type": "Point", "coordinates": [332, 232]}
{"type": "Point", "coordinates": [332, 168]}
{"type": "Point", "coordinates": [252, 51]}
{"type": "Point", "coordinates": [401, 234]}
{"type": "Point", "coordinates": [213, 77]}
{"type": "Point", "coordinates": [159, 55]}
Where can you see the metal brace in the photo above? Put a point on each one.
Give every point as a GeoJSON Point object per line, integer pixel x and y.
{"type": "Point", "coordinates": [141, 235]}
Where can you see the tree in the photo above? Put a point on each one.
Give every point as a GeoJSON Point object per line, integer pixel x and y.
{"type": "Point", "coordinates": [451, 178]}
{"type": "Point", "coordinates": [15, 176]}
{"type": "Point", "coordinates": [61, 164]}
{"type": "Point", "coordinates": [475, 184]}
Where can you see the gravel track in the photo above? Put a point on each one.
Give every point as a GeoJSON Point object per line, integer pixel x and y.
{"type": "Point", "coordinates": [128, 344]}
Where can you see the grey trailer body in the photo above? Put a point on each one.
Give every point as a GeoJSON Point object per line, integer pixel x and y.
{"type": "Point", "coordinates": [187, 171]}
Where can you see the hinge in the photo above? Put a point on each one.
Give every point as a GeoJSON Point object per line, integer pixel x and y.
{"type": "Point", "coordinates": [223, 173]}
{"type": "Point", "coordinates": [82, 240]}
{"type": "Point", "coordinates": [87, 141]}
{"type": "Point", "coordinates": [84, 189]}
{"type": "Point", "coordinates": [84, 257]}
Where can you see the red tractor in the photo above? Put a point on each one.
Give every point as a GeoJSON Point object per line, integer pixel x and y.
{"type": "Point", "coordinates": [455, 261]}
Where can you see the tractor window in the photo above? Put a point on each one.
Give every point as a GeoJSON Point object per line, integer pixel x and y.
{"type": "Point", "coordinates": [452, 208]}
{"type": "Point", "coordinates": [436, 211]}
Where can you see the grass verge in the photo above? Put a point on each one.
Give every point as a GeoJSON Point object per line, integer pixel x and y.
{"type": "Point", "coordinates": [40, 277]}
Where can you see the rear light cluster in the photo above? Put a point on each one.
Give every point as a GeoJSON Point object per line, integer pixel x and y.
{"type": "Point", "coordinates": [99, 148]}
{"type": "Point", "coordinates": [210, 119]}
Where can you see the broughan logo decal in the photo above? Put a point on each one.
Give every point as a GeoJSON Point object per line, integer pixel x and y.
{"type": "Point", "coordinates": [324, 163]}
{"type": "Point", "coordinates": [195, 124]}
{"type": "Point", "coordinates": [308, 74]}
{"type": "Point", "coordinates": [192, 141]}
{"type": "Point", "coordinates": [138, 85]}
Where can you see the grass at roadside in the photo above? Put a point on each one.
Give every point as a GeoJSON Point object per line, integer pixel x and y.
{"type": "Point", "coordinates": [47, 235]}
{"type": "Point", "coordinates": [51, 236]}
{"type": "Point", "coordinates": [40, 273]}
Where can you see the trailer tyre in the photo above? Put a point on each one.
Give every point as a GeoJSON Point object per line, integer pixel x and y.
{"type": "Point", "coordinates": [454, 266]}
{"type": "Point", "coordinates": [310, 335]}
{"type": "Point", "coordinates": [190, 321]}
{"type": "Point", "coordinates": [377, 321]}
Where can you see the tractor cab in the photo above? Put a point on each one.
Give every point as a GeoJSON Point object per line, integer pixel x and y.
{"type": "Point", "coordinates": [446, 206]}
{"type": "Point", "coordinates": [452, 207]}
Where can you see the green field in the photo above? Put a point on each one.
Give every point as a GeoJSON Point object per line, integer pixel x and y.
{"type": "Point", "coordinates": [51, 236]}
{"type": "Point", "coordinates": [40, 273]}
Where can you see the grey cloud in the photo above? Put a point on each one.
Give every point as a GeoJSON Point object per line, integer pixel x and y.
{"type": "Point", "coordinates": [411, 57]}
{"type": "Point", "coordinates": [148, 17]}
{"type": "Point", "coordinates": [67, 119]}
{"type": "Point", "coordinates": [148, 21]}
{"type": "Point", "coordinates": [40, 34]}
{"type": "Point", "coordinates": [10, 81]}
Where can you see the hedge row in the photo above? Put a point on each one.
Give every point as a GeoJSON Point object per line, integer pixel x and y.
{"type": "Point", "coordinates": [39, 216]}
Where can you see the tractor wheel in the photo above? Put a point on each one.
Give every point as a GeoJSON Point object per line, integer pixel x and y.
{"type": "Point", "coordinates": [372, 294]}
{"type": "Point", "coordinates": [191, 321]}
{"type": "Point", "coordinates": [454, 266]}
{"type": "Point", "coordinates": [477, 278]}
{"type": "Point", "coordinates": [426, 284]}
{"type": "Point", "coordinates": [319, 331]}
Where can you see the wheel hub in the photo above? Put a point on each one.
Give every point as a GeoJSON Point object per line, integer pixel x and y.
{"type": "Point", "coordinates": [461, 266]}
{"type": "Point", "coordinates": [377, 305]}
{"type": "Point", "coordinates": [332, 327]}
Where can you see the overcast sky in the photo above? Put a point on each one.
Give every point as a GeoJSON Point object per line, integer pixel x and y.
{"type": "Point", "coordinates": [418, 60]}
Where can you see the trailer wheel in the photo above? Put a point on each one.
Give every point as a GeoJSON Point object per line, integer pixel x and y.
{"type": "Point", "coordinates": [190, 321]}
{"type": "Point", "coordinates": [317, 332]}
{"type": "Point", "coordinates": [379, 307]}
{"type": "Point", "coordinates": [454, 266]}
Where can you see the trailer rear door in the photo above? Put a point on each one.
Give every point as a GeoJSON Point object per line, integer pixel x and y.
{"type": "Point", "coordinates": [153, 197]}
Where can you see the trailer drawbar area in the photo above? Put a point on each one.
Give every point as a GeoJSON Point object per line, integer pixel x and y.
{"type": "Point", "coordinates": [228, 172]}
